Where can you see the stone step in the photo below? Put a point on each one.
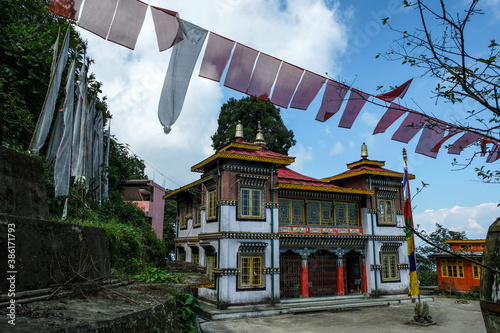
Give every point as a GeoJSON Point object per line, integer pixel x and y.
{"type": "Point", "coordinates": [339, 307]}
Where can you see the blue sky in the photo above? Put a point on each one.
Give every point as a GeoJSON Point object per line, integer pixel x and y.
{"type": "Point", "coordinates": [340, 38]}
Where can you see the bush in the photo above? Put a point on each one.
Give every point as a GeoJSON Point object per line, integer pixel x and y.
{"type": "Point", "coordinates": [188, 309]}
{"type": "Point", "coordinates": [427, 278]}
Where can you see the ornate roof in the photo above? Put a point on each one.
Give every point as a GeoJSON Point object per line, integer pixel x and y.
{"type": "Point", "coordinates": [289, 179]}
{"type": "Point", "coordinates": [245, 151]}
{"type": "Point", "coordinates": [366, 167]}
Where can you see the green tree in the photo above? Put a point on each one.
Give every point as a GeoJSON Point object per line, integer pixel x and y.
{"type": "Point", "coordinates": [250, 111]}
{"type": "Point", "coordinates": [426, 267]}
{"type": "Point", "coordinates": [442, 46]}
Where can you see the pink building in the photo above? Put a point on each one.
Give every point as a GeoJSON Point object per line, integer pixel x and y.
{"type": "Point", "coordinates": [148, 196]}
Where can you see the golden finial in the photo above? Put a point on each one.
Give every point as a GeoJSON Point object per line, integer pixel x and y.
{"type": "Point", "coordinates": [259, 139]}
{"type": "Point", "coordinates": [239, 131]}
{"type": "Point", "coordinates": [364, 151]}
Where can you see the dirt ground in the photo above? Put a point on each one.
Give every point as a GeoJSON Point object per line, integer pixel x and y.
{"type": "Point", "coordinates": [448, 315]}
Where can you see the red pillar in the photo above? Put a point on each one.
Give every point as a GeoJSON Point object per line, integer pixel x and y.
{"type": "Point", "coordinates": [304, 279]}
{"type": "Point", "coordinates": [340, 277]}
{"type": "Point", "coordinates": [363, 272]}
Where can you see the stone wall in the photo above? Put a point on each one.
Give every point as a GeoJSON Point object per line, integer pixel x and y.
{"type": "Point", "coordinates": [22, 185]}
{"type": "Point", "coordinates": [48, 252]}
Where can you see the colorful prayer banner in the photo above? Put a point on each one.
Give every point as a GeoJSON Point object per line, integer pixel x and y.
{"type": "Point", "coordinates": [414, 289]}
{"type": "Point", "coordinates": [431, 135]}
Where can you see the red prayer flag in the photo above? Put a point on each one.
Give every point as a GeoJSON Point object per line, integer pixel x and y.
{"type": "Point", "coordinates": [288, 79]}
{"type": "Point", "coordinates": [463, 142]}
{"type": "Point", "coordinates": [166, 27]}
{"type": "Point", "coordinates": [398, 92]}
{"type": "Point", "coordinates": [66, 8]}
{"type": "Point", "coordinates": [390, 116]}
{"type": "Point", "coordinates": [451, 132]}
{"type": "Point", "coordinates": [484, 142]}
{"type": "Point", "coordinates": [431, 135]}
{"type": "Point", "coordinates": [217, 54]}
{"type": "Point", "coordinates": [263, 76]}
{"type": "Point", "coordinates": [127, 23]}
{"type": "Point", "coordinates": [410, 126]}
{"type": "Point", "coordinates": [308, 88]}
{"type": "Point", "coordinates": [97, 16]}
{"type": "Point", "coordinates": [332, 100]}
{"type": "Point", "coordinates": [357, 100]}
{"type": "Point", "coordinates": [494, 154]}
{"type": "Point", "coordinates": [240, 68]}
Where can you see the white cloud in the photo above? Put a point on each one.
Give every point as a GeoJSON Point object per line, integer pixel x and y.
{"type": "Point", "coordinates": [475, 221]}
{"type": "Point", "coordinates": [337, 148]}
{"type": "Point", "coordinates": [303, 155]}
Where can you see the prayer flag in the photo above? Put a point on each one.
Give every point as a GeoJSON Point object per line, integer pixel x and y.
{"type": "Point", "coordinates": [166, 27]}
{"type": "Point", "coordinates": [180, 68]}
{"type": "Point", "coordinates": [62, 167]}
{"type": "Point", "coordinates": [127, 23]}
{"type": "Point", "coordinates": [398, 92]}
{"type": "Point", "coordinates": [66, 8]}
{"type": "Point", "coordinates": [390, 116]}
{"type": "Point", "coordinates": [357, 100]}
{"type": "Point", "coordinates": [217, 54]}
{"type": "Point", "coordinates": [45, 119]}
{"type": "Point", "coordinates": [308, 88]}
{"type": "Point", "coordinates": [431, 135]}
{"type": "Point", "coordinates": [240, 68]}
{"type": "Point", "coordinates": [332, 100]}
{"type": "Point", "coordinates": [97, 16]}
{"type": "Point", "coordinates": [263, 76]}
{"type": "Point", "coordinates": [463, 142]}
{"type": "Point", "coordinates": [414, 290]}
{"type": "Point", "coordinates": [410, 127]}
{"type": "Point", "coordinates": [288, 79]}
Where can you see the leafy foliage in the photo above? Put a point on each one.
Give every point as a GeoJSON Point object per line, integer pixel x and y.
{"type": "Point", "coordinates": [154, 274]}
{"type": "Point", "coordinates": [188, 309]}
{"type": "Point", "coordinates": [250, 111]}
{"type": "Point", "coordinates": [467, 75]}
{"type": "Point", "coordinates": [438, 237]}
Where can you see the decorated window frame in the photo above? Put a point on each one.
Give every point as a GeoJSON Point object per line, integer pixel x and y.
{"type": "Point", "coordinates": [452, 268]}
{"type": "Point", "coordinates": [386, 206]}
{"type": "Point", "coordinates": [183, 217]}
{"type": "Point", "coordinates": [251, 263]}
{"type": "Point", "coordinates": [196, 216]}
{"type": "Point", "coordinates": [389, 262]}
{"type": "Point", "coordinates": [319, 213]}
{"type": "Point", "coordinates": [252, 197]}
{"type": "Point", "coordinates": [211, 204]}
{"type": "Point", "coordinates": [292, 211]}
{"type": "Point", "coordinates": [347, 214]}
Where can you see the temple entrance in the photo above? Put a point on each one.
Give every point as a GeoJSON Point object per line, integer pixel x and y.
{"type": "Point", "coordinates": [353, 283]}
{"type": "Point", "coordinates": [290, 273]}
{"type": "Point", "coordinates": [322, 274]}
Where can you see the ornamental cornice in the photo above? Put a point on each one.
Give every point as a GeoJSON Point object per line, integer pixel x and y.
{"type": "Point", "coordinates": [322, 195]}
{"type": "Point", "coordinates": [238, 235]}
{"type": "Point", "coordinates": [365, 162]}
{"type": "Point", "coordinates": [247, 169]}
{"type": "Point", "coordinates": [240, 145]}
{"type": "Point", "coordinates": [199, 167]}
{"type": "Point", "coordinates": [323, 189]}
{"type": "Point", "coordinates": [366, 172]}
{"type": "Point", "coordinates": [182, 240]}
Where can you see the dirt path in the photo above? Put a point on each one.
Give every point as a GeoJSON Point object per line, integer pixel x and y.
{"type": "Point", "coordinates": [449, 316]}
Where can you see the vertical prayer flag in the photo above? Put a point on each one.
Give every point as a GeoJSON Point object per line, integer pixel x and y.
{"type": "Point", "coordinates": [217, 54]}
{"type": "Point", "coordinates": [414, 290]}
{"type": "Point", "coordinates": [357, 100]}
{"type": "Point", "coordinates": [332, 100]}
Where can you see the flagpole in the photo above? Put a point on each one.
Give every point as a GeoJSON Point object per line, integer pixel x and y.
{"type": "Point", "coordinates": [408, 216]}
